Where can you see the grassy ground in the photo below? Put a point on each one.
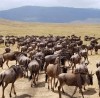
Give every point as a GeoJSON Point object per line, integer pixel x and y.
{"type": "Point", "coordinates": [18, 28]}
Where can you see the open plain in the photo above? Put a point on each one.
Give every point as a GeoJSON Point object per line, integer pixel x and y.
{"type": "Point", "coordinates": [22, 86]}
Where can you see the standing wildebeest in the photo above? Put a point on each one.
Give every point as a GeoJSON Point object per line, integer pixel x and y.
{"type": "Point", "coordinates": [98, 74]}
{"type": "Point", "coordinates": [10, 56]}
{"type": "Point", "coordinates": [50, 59]}
{"type": "Point", "coordinates": [10, 76]}
{"type": "Point", "coordinates": [72, 79]}
{"type": "Point", "coordinates": [84, 53]}
{"type": "Point", "coordinates": [82, 69]}
{"type": "Point", "coordinates": [34, 67]}
{"type": "Point", "coordinates": [90, 47]}
{"type": "Point", "coordinates": [97, 47]}
{"type": "Point", "coordinates": [22, 59]}
{"type": "Point", "coordinates": [75, 59]}
{"type": "Point", "coordinates": [53, 70]}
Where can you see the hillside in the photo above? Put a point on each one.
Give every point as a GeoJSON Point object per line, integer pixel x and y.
{"type": "Point", "coordinates": [52, 14]}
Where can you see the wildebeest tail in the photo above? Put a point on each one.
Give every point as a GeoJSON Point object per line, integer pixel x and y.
{"type": "Point", "coordinates": [2, 76]}
{"type": "Point", "coordinates": [31, 73]}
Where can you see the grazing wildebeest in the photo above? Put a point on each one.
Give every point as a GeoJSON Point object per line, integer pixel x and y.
{"type": "Point", "coordinates": [98, 75]}
{"type": "Point", "coordinates": [10, 76]}
{"type": "Point", "coordinates": [34, 67]}
{"type": "Point", "coordinates": [72, 79]}
{"type": "Point", "coordinates": [53, 70]}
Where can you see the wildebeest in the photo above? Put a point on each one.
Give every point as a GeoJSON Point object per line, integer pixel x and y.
{"type": "Point", "coordinates": [98, 75]}
{"type": "Point", "coordinates": [84, 54]}
{"type": "Point", "coordinates": [10, 56]}
{"type": "Point", "coordinates": [1, 61]}
{"type": "Point", "coordinates": [72, 79]}
{"type": "Point", "coordinates": [7, 49]}
{"type": "Point", "coordinates": [34, 67]}
{"type": "Point", "coordinates": [22, 59]}
{"type": "Point", "coordinates": [53, 70]}
{"type": "Point", "coordinates": [97, 47]}
{"type": "Point", "coordinates": [10, 76]}
{"type": "Point", "coordinates": [75, 59]}
{"type": "Point", "coordinates": [50, 59]}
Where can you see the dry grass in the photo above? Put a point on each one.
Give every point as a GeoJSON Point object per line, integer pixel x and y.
{"type": "Point", "coordinates": [18, 28]}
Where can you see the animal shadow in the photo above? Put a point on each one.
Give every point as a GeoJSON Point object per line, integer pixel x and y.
{"type": "Point", "coordinates": [66, 94]}
{"type": "Point", "coordinates": [40, 84]}
{"type": "Point", "coordinates": [23, 96]}
{"type": "Point", "coordinates": [90, 91]}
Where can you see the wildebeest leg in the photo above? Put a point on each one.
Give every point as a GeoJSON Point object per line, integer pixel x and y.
{"type": "Point", "coordinates": [59, 87]}
{"type": "Point", "coordinates": [11, 90]}
{"type": "Point", "coordinates": [7, 63]}
{"type": "Point", "coordinates": [37, 76]}
{"type": "Point", "coordinates": [74, 91]}
{"type": "Point", "coordinates": [14, 89]}
{"type": "Point", "coordinates": [99, 89]}
{"type": "Point", "coordinates": [48, 83]}
{"type": "Point", "coordinates": [84, 87]}
{"type": "Point", "coordinates": [53, 84]}
{"type": "Point", "coordinates": [46, 78]}
{"type": "Point", "coordinates": [96, 51]}
{"type": "Point", "coordinates": [27, 73]}
{"type": "Point", "coordinates": [68, 63]}
{"type": "Point", "coordinates": [16, 62]}
{"type": "Point", "coordinates": [73, 67]}
{"type": "Point", "coordinates": [81, 92]}
{"type": "Point", "coordinates": [63, 90]}
{"type": "Point", "coordinates": [87, 59]}
{"type": "Point", "coordinates": [91, 52]}
{"type": "Point", "coordinates": [34, 76]}
{"type": "Point", "coordinates": [3, 88]}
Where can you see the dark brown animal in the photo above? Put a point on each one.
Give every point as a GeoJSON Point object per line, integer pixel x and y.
{"type": "Point", "coordinates": [10, 76]}
{"type": "Point", "coordinates": [98, 75]}
{"type": "Point", "coordinates": [72, 79]}
{"type": "Point", "coordinates": [34, 67]}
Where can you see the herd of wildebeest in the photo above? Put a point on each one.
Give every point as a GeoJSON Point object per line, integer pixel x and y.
{"type": "Point", "coordinates": [49, 54]}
